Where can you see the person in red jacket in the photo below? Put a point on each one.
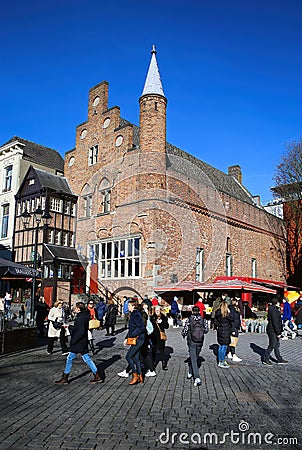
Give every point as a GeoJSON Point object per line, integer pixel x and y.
{"type": "Point", "coordinates": [200, 306]}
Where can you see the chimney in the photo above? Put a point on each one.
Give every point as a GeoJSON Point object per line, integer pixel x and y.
{"type": "Point", "coordinates": [256, 199]}
{"type": "Point", "coordinates": [235, 171]}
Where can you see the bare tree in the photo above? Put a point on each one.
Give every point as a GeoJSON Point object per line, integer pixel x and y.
{"type": "Point", "coordinates": [288, 187]}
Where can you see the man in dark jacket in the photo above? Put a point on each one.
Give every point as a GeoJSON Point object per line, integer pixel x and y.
{"type": "Point", "coordinates": [195, 341]}
{"type": "Point", "coordinates": [274, 330]}
{"type": "Point", "coordinates": [79, 344]}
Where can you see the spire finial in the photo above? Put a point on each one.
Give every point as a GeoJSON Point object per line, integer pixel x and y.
{"type": "Point", "coordinates": [153, 83]}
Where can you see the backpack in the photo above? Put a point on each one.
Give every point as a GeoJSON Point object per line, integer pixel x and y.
{"type": "Point", "coordinates": [197, 330]}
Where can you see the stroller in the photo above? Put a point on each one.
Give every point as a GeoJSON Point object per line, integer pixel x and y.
{"type": "Point", "coordinates": [289, 330]}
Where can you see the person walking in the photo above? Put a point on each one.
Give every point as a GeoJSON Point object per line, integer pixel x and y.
{"type": "Point", "coordinates": [136, 329]}
{"type": "Point", "coordinates": [174, 312]}
{"type": "Point", "coordinates": [158, 337]}
{"type": "Point", "coordinates": [56, 327]}
{"type": "Point", "coordinates": [42, 309]}
{"type": "Point", "coordinates": [126, 311]}
{"type": "Point", "coordinates": [274, 330]}
{"type": "Point", "coordinates": [216, 305]}
{"type": "Point", "coordinates": [110, 318]}
{"type": "Point", "coordinates": [79, 344]}
{"type": "Point", "coordinates": [101, 308]}
{"type": "Point", "coordinates": [145, 348]}
{"type": "Point", "coordinates": [236, 324]}
{"type": "Point", "coordinates": [93, 315]}
{"type": "Point", "coordinates": [194, 330]}
{"type": "Point", "coordinates": [223, 323]}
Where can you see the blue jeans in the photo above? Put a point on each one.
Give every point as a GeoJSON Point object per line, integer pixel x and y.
{"type": "Point", "coordinates": [133, 355]}
{"type": "Point", "coordinates": [86, 358]}
{"type": "Point", "coordinates": [222, 349]}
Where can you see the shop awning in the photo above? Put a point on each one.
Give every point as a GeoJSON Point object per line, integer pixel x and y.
{"type": "Point", "coordinates": [221, 285]}
{"type": "Point", "coordinates": [236, 285]}
{"type": "Point", "coordinates": [10, 268]}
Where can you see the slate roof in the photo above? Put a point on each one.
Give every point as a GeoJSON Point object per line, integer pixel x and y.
{"type": "Point", "coordinates": [39, 154]}
{"type": "Point", "coordinates": [223, 182]}
{"type": "Point", "coordinates": [68, 254]}
{"type": "Point", "coordinates": [53, 182]}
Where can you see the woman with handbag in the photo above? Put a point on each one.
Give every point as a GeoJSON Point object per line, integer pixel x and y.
{"type": "Point", "coordinates": [159, 337]}
{"type": "Point", "coordinates": [56, 327]}
{"type": "Point", "coordinates": [93, 316]}
{"type": "Point", "coordinates": [236, 324]}
{"type": "Point", "coordinates": [135, 338]}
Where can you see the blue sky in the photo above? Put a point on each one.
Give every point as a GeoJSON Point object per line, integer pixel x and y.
{"type": "Point", "coordinates": [231, 70]}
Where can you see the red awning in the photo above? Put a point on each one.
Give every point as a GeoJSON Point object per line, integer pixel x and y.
{"type": "Point", "coordinates": [235, 285]}
{"type": "Point", "coordinates": [228, 285]}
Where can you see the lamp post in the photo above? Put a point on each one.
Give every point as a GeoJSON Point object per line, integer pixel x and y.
{"type": "Point", "coordinates": [45, 218]}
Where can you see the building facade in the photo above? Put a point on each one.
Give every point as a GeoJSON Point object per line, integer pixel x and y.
{"type": "Point", "coordinates": [150, 214]}
{"type": "Point", "coordinates": [16, 156]}
{"type": "Point", "coordinates": [46, 240]}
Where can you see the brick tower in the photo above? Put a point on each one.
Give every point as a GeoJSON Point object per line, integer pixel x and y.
{"type": "Point", "coordinates": [153, 111]}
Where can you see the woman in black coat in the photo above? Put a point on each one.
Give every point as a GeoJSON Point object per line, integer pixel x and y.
{"type": "Point", "coordinates": [110, 318]}
{"type": "Point", "coordinates": [236, 324]}
{"type": "Point", "coordinates": [223, 322]}
{"type": "Point", "coordinates": [160, 324]}
{"type": "Point", "coordinates": [79, 344]}
{"type": "Point", "coordinates": [136, 329]}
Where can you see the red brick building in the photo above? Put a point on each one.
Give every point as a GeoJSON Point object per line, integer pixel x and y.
{"type": "Point", "coordinates": [150, 214]}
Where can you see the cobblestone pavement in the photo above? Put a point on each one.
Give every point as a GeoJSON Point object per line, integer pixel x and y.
{"type": "Point", "coordinates": [259, 406]}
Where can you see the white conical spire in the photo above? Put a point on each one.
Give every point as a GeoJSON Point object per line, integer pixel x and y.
{"type": "Point", "coordinates": [153, 84]}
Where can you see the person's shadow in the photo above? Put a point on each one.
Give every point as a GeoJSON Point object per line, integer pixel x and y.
{"type": "Point", "coordinates": [106, 343]}
{"type": "Point", "coordinates": [101, 366]}
{"type": "Point", "coordinates": [259, 350]}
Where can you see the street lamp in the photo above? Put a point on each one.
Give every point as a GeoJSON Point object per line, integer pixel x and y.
{"type": "Point", "coordinates": [45, 218]}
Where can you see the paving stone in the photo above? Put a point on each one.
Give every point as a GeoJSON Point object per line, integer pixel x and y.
{"type": "Point", "coordinates": [35, 413]}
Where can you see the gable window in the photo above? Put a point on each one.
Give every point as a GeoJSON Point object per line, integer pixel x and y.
{"type": "Point", "coordinates": [106, 201]}
{"type": "Point", "coordinates": [5, 217]}
{"type": "Point", "coordinates": [8, 174]}
{"type": "Point", "coordinates": [93, 155]}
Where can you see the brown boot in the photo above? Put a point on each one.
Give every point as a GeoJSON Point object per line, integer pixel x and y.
{"type": "Point", "coordinates": [140, 378]}
{"type": "Point", "coordinates": [63, 380]}
{"type": "Point", "coordinates": [97, 378]}
{"type": "Point", "coordinates": [135, 378]}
